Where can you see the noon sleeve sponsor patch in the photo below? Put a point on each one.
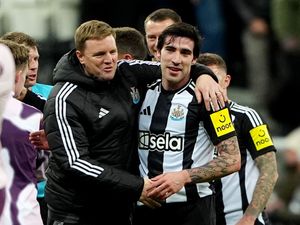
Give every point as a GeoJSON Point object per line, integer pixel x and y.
{"type": "Point", "coordinates": [222, 122]}
{"type": "Point", "coordinates": [261, 137]}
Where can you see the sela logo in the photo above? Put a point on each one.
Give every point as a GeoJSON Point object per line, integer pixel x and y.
{"type": "Point", "coordinates": [261, 137]}
{"type": "Point", "coordinates": [160, 142]}
{"type": "Point", "coordinates": [222, 122]}
{"type": "Point", "coordinates": [103, 112]}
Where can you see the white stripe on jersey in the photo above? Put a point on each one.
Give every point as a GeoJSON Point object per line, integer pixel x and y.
{"type": "Point", "coordinates": [135, 62]}
{"type": "Point", "coordinates": [173, 159]}
{"type": "Point", "coordinates": [67, 135]}
{"type": "Point", "coordinates": [251, 114]}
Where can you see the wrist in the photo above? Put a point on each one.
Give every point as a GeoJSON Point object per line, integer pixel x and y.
{"type": "Point", "coordinates": [249, 217]}
{"type": "Point", "coordinates": [186, 176]}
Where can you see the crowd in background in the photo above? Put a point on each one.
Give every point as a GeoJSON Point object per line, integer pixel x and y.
{"type": "Point", "coordinates": [259, 40]}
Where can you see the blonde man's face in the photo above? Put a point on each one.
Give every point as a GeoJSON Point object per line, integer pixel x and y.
{"type": "Point", "coordinates": [99, 58]}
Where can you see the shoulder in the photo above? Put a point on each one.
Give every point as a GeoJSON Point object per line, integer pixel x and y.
{"type": "Point", "coordinates": [136, 65]}
{"type": "Point", "coordinates": [124, 62]}
{"type": "Point", "coordinates": [246, 112]}
{"type": "Point", "coordinates": [64, 92]}
{"type": "Point", "coordinates": [14, 106]}
{"type": "Point", "coordinates": [155, 85]}
{"type": "Point", "coordinates": [64, 88]}
{"type": "Point", "coordinates": [21, 114]}
{"type": "Point", "coordinates": [42, 89]}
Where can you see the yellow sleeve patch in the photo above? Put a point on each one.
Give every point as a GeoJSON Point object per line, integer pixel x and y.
{"type": "Point", "coordinates": [222, 122]}
{"type": "Point", "coordinates": [261, 137]}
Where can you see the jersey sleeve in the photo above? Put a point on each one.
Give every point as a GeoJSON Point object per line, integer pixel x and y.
{"type": "Point", "coordinates": [199, 69]}
{"type": "Point", "coordinates": [219, 125]}
{"type": "Point", "coordinates": [256, 134]}
{"type": "Point", "coordinates": [146, 72]}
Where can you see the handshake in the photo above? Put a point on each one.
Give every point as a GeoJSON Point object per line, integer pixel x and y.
{"type": "Point", "coordinates": [159, 188]}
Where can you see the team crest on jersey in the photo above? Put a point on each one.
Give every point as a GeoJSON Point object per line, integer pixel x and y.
{"type": "Point", "coordinates": [261, 137]}
{"type": "Point", "coordinates": [135, 95]}
{"type": "Point", "coordinates": [222, 122]}
{"type": "Point", "coordinates": [177, 112]}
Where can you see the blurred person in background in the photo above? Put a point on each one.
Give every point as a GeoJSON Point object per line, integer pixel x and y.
{"type": "Point", "coordinates": [7, 78]}
{"type": "Point", "coordinates": [256, 40]}
{"type": "Point", "coordinates": [284, 206]}
{"type": "Point", "coordinates": [154, 24]}
{"type": "Point", "coordinates": [27, 95]}
{"type": "Point", "coordinates": [212, 25]}
{"type": "Point", "coordinates": [130, 43]}
{"type": "Point", "coordinates": [286, 25]}
{"type": "Point", "coordinates": [242, 196]}
{"type": "Point", "coordinates": [34, 94]}
{"type": "Point", "coordinates": [19, 155]}
{"type": "Point", "coordinates": [125, 13]}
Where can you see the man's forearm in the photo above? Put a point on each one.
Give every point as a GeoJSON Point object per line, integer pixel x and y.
{"type": "Point", "coordinates": [265, 184]}
{"type": "Point", "coordinates": [227, 162]}
{"type": "Point", "coordinates": [200, 69]}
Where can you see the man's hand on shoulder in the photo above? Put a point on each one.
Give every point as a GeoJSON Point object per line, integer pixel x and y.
{"type": "Point", "coordinates": [209, 91]}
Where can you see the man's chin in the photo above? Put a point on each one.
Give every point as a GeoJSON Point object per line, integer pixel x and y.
{"type": "Point", "coordinates": [105, 77]}
{"type": "Point", "coordinates": [109, 77]}
{"type": "Point", "coordinates": [29, 84]}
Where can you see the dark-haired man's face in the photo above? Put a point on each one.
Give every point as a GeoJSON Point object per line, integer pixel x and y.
{"type": "Point", "coordinates": [176, 57]}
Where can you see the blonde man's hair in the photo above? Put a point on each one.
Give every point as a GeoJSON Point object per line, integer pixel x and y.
{"type": "Point", "coordinates": [209, 59]}
{"type": "Point", "coordinates": [20, 38]}
{"type": "Point", "coordinates": [93, 29]}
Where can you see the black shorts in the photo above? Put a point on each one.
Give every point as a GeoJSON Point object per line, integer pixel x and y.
{"type": "Point", "coordinates": [200, 212]}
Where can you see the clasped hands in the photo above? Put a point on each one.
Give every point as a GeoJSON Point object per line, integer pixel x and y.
{"type": "Point", "coordinates": [159, 188]}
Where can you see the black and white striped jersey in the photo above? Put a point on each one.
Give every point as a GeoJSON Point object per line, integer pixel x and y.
{"type": "Point", "coordinates": [177, 133]}
{"type": "Point", "coordinates": [235, 191]}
